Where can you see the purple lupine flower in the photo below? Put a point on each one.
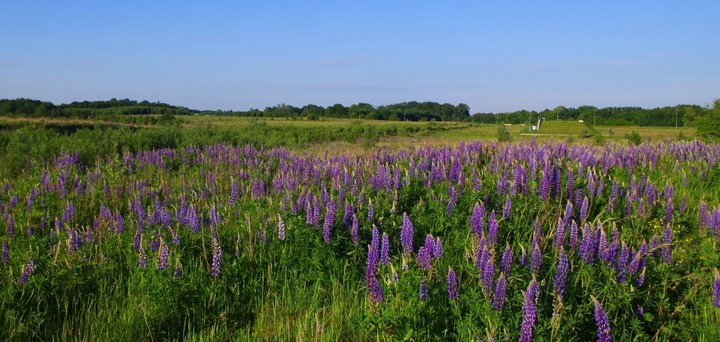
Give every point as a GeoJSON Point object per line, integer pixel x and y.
{"type": "Point", "coordinates": [423, 258]}
{"type": "Point", "coordinates": [375, 239]}
{"type": "Point", "coordinates": [371, 282]}
{"type": "Point", "coordinates": [560, 233]}
{"type": "Point", "coordinates": [262, 236]}
{"type": "Point", "coordinates": [371, 211]}
{"type": "Point", "coordinates": [573, 239]}
{"type": "Point", "coordinates": [5, 257]}
{"type": "Point", "coordinates": [704, 216]}
{"type": "Point", "coordinates": [716, 290]}
{"type": "Point", "coordinates": [535, 259]}
{"type": "Point", "coordinates": [216, 259]}
{"type": "Point", "coordinates": [654, 244]}
{"type": "Point", "coordinates": [234, 193]}
{"type": "Point", "coordinates": [506, 261]}
{"type": "Point", "coordinates": [281, 228]}
{"type": "Point", "coordinates": [641, 278]}
{"type": "Point", "coordinates": [452, 284]}
{"type": "Point", "coordinates": [622, 262]}
{"type": "Point", "coordinates": [669, 212]}
{"type": "Point", "coordinates": [452, 199]}
{"type": "Point", "coordinates": [119, 223]}
{"type": "Point", "coordinates": [488, 274]}
{"type": "Point", "coordinates": [544, 190]}
{"type": "Point", "coordinates": [430, 244]}
{"type": "Point", "coordinates": [355, 230]}
{"type": "Point", "coordinates": [492, 229]}
{"type": "Point", "coordinates": [586, 251]}
{"type": "Point", "coordinates": [28, 270]}
{"type": "Point", "coordinates": [507, 207]}
{"type": "Point", "coordinates": [638, 259]}
{"type": "Point", "coordinates": [561, 274]}
{"type": "Point", "coordinates": [348, 214]}
{"type": "Point", "coordinates": [406, 235]}
{"type": "Point", "coordinates": [499, 295]}
{"type": "Point", "coordinates": [10, 226]}
{"type": "Point", "coordinates": [142, 258]}
{"type": "Point", "coordinates": [476, 219]}
{"type": "Point", "coordinates": [667, 245]}
{"type": "Point", "coordinates": [214, 216]}
{"type": "Point", "coordinates": [423, 290]}
{"type": "Point", "coordinates": [614, 190]}
{"type": "Point", "coordinates": [584, 209]}
{"type": "Point", "coordinates": [193, 219]}
{"type": "Point", "coordinates": [602, 322]}
{"type": "Point", "coordinates": [438, 251]}
{"type": "Point", "coordinates": [162, 261]}
{"type": "Point", "coordinates": [69, 212]}
{"type": "Point", "coordinates": [537, 233]}
{"type": "Point", "coordinates": [683, 205]}
{"type": "Point", "coordinates": [529, 311]}
{"type": "Point", "coordinates": [385, 249]}
{"type": "Point", "coordinates": [640, 311]}
{"type": "Point", "coordinates": [329, 221]}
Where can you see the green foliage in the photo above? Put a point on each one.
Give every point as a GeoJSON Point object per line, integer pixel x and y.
{"type": "Point", "coordinates": [634, 138]}
{"type": "Point", "coordinates": [503, 135]}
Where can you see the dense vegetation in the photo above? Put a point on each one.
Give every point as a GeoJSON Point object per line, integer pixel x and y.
{"type": "Point", "coordinates": [556, 241]}
{"type": "Point", "coordinates": [24, 145]}
{"type": "Point", "coordinates": [119, 110]}
{"type": "Point", "coordinates": [680, 115]}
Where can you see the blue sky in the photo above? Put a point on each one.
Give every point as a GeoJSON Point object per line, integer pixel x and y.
{"type": "Point", "coordinates": [491, 55]}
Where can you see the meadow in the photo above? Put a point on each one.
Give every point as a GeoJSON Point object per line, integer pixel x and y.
{"type": "Point", "coordinates": [215, 228]}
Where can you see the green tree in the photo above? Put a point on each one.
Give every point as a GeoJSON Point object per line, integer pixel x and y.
{"type": "Point", "coordinates": [708, 124]}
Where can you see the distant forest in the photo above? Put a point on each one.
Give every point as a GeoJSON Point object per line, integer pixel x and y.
{"type": "Point", "coordinates": [113, 109]}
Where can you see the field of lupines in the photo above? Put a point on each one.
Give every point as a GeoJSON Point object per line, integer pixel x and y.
{"type": "Point", "coordinates": [481, 241]}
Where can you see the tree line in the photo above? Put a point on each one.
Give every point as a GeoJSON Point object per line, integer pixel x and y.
{"type": "Point", "coordinates": [87, 109]}
{"type": "Point", "coordinates": [680, 115]}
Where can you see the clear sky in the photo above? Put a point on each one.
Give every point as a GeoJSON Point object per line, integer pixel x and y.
{"type": "Point", "coordinates": [491, 55]}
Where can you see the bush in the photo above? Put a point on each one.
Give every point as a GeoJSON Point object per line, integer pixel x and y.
{"type": "Point", "coordinates": [634, 138]}
{"type": "Point", "coordinates": [503, 135]}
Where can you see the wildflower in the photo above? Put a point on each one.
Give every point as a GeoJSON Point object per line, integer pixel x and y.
{"type": "Point", "coordinates": [506, 261]}
{"type": "Point", "coordinates": [5, 252]}
{"type": "Point", "coordinates": [535, 259]}
{"type": "Point", "coordinates": [423, 258]}
{"type": "Point", "coordinates": [355, 230]}
{"type": "Point", "coordinates": [385, 249]}
{"type": "Point", "coordinates": [507, 207]}
{"type": "Point", "coordinates": [667, 245]}
{"type": "Point", "coordinates": [216, 259]}
{"type": "Point", "coordinates": [601, 320]}
{"type": "Point", "coordinates": [492, 229]}
{"type": "Point", "coordinates": [371, 282]}
{"type": "Point", "coordinates": [406, 235]}
{"type": "Point", "coordinates": [28, 270]}
{"type": "Point", "coordinates": [499, 295]}
{"type": "Point", "coordinates": [452, 284]}
{"type": "Point", "coordinates": [329, 220]}
{"type": "Point", "coordinates": [561, 274]}
{"type": "Point", "coordinates": [438, 250]}
{"type": "Point", "coordinates": [423, 290]}
{"type": "Point", "coordinates": [476, 219]}
{"type": "Point", "coordinates": [162, 261]}
{"type": "Point", "coordinates": [529, 311]}
{"type": "Point", "coordinates": [142, 258]}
